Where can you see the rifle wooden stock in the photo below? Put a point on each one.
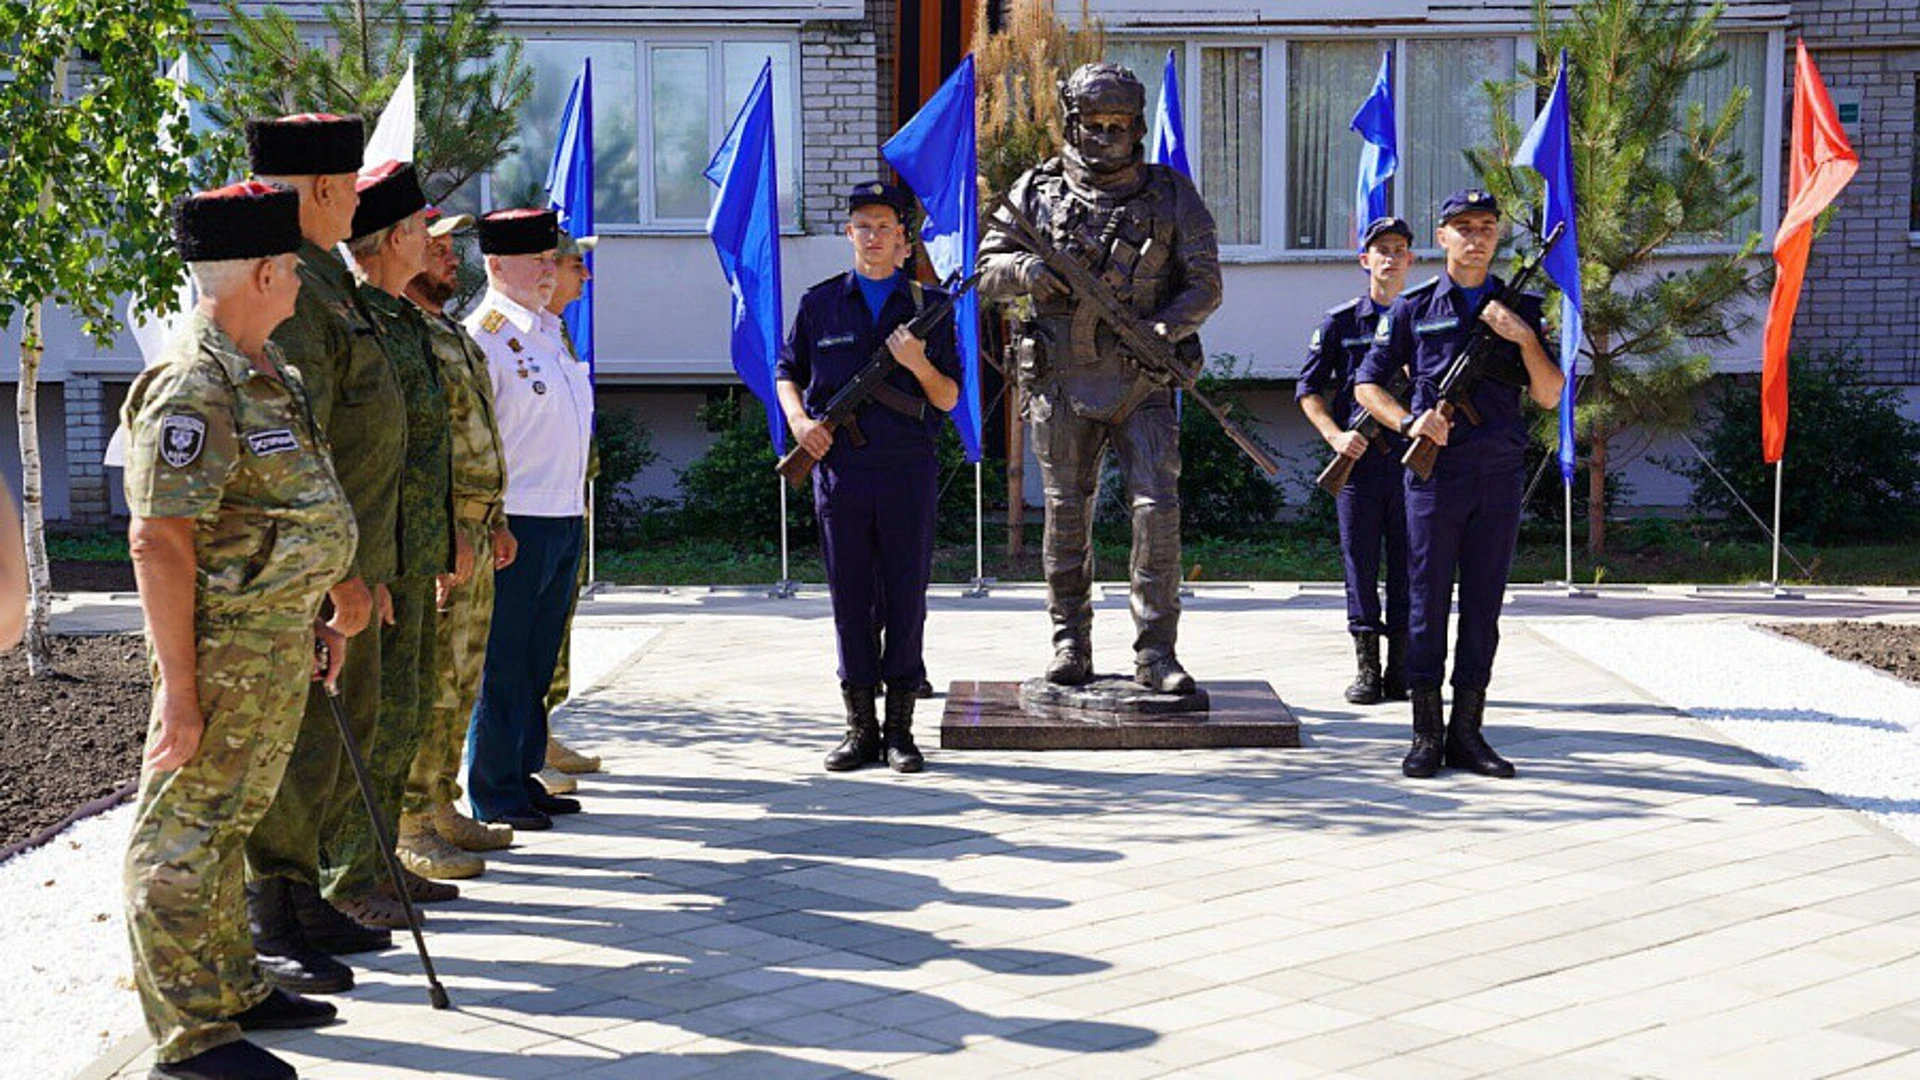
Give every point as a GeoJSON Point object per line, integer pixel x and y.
{"type": "Point", "coordinates": [1334, 477]}
{"type": "Point", "coordinates": [1420, 457]}
{"type": "Point", "coordinates": [798, 463]}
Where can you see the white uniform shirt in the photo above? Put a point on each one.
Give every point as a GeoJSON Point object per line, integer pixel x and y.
{"type": "Point", "coordinates": [543, 400]}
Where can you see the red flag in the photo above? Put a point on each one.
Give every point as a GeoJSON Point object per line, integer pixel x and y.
{"type": "Point", "coordinates": [1823, 162]}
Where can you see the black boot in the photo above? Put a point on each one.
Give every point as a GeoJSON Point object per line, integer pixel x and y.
{"type": "Point", "coordinates": [862, 744]}
{"type": "Point", "coordinates": [1393, 683]}
{"type": "Point", "coordinates": [285, 957]}
{"type": "Point", "coordinates": [1365, 689]}
{"type": "Point", "coordinates": [902, 755]}
{"type": "Point", "coordinates": [1429, 735]}
{"type": "Point", "coordinates": [1466, 749]}
{"type": "Point", "coordinates": [329, 930]}
{"type": "Point", "coordinates": [229, 1061]}
{"type": "Point", "coordinates": [285, 1010]}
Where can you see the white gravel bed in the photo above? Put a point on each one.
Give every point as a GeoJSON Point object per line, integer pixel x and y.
{"type": "Point", "coordinates": [1842, 728]}
{"type": "Point", "coordinates": [64, 960]}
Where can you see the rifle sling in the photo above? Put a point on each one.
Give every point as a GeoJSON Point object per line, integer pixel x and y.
{"type": "Point", "coordinates": [908, 405]}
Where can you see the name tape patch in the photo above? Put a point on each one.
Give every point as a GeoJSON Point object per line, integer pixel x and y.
{"type": "Point", "coordinates": [1356, 342]}
{"type": "Point", "coordinates": [269, 443]}
{"type": "Point", "coordinates": [836, 339]}
{"type": "Point", "coordinates": [1435, 326]}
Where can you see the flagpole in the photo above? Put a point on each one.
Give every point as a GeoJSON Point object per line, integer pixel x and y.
{"type": "Point", "coordinates": [592, 544]}
{"type": "Point", "coordinates": [979, 588]}
{"type": "Point", "coordinates": [1566, 492]}
{"type": "Point", "coordinates": [1779, 467]}
{"type": "Point", "coordinates": [785, 588]}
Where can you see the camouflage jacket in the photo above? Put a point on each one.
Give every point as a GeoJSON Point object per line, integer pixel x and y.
{"type": "Point", "coordinates": [237, 450]}
{"type": "Point", "coordinates": [357, 400]}
{"type": "Point", "coordinates": [479, 471]}
{"type": "Point", "coordinates": [426, 481]}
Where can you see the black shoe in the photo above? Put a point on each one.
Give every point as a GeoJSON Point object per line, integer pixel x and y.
{"type": "Point", "coordinates": [282, 1010]}
{"type": "Point", "coordinates": [1429, 733]}
{"type": "Point", "coordinates": [327, 930]}
{"type": "Point", "coordinates": [1466, 749]}
{"type": "Point", "coordinates": [1164, 675]}
{"type": "Point", "coordinates": [528, 820]}
{"type": "Point", "coordinates": [1365, 688]}
{"type": "Point", "coordinates": [553, 804]}
{"type": "Point", "coordinates": [1072, 664]}
{"type": "Point", "coordinates": [304, 972]}
{"type": "Point", "coordinates": [902, 755]}
{"type": "Point", "coordinates": [229, 1061]}
{"type": "Point", "coordinates": [281, 949]}
{"type": "Point", "coordinates": [1393, 682]}
{"type": "Point", "coordinates": [862, 744]}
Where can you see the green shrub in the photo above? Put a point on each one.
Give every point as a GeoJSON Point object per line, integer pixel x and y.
{"type": "Point", "coordinates": [1852, 461]}
{"type": "Point", "coordinates": [623, 448]}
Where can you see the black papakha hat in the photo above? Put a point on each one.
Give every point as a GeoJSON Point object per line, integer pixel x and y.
{"type": "Point", "coordinates": [310, 144]}
{"type": "Point", "coordinates": [248, 220]}
{"type": "Point", "coordinates": [519, 232]}
{"type": "Point", "coordinates": [388, 195]}
{"type": "Point", "coordinates": [1385, 226]}
{"type": "Point", "coordinates": [879, 193]}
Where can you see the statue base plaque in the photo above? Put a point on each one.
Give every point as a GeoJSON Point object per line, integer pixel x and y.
{"type": "Point", "coordinates": [1112, 713]}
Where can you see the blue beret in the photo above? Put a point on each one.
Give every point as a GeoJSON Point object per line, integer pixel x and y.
{"type": "Point", "coordinates": [1466, 200]}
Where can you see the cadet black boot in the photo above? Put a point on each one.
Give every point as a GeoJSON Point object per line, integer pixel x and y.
{"type": "Point", "coordinates": [1365, 689]}
{"type": "Point", "coordinates": [1393, 684]}
{"type": "Point", "coordinates": [862, 744]}
{"type": "Point", "coordinates": [229, 1061]}
{"type": "Point", "coordinates": [902, 755]}
{"type": "Point", "coordinates": [1466, 749]}
{"type": "Point", "coordinates": [285, 1010]}
{"type": "Point", "coordinates": [1072, 663]}
{"type": "Point", "coordinates": [284, 955]}
{"type": "Point", "coordinates": [1429, 735]}
{"type": "Point", "coordinates": [329, 930]}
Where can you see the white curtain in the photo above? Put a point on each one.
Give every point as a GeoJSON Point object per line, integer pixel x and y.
{"type": "Point", "coordinates": [1447, 111]}
{"type": "Point", "coordinates": [1230, 140]}
{"type": "Point", "coordinates": [1326, 82]}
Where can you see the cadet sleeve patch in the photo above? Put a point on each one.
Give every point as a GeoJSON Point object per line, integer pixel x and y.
{"type": "Point", "coordinates": [182, 437]}
{"type": "Point", "coordinates": [492, 321]}
{"type": "Point", "coordinates": [269, 443]}
{"type": "Point", "coordinates": [1383, 330]}
{"type": "Point", "coordinates": [1313, 343]}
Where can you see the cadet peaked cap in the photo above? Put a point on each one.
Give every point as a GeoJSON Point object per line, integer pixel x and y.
{"type": "Point", "coordinates": [571, 246]}
{"type": "Point", "coordinates": [248, 220]}
{"type": "Point", "coordinates": [1386, 226]}
{"type": "Point", "coordinates": [310, 144]}
{"type": "Point", "coordinates": [388, 195]}
{"type": "Point", "coordinates": [1467, 200]}
{"type": "Point", "coordinates": [440, 223]}
{"type": "Point", "coordinates": [880, 193]}
{"type": "Point", "coordinates": [519, 232]}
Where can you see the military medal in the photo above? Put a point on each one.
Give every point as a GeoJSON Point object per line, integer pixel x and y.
{"type": "Point", "coordinates": [513, 343]}
{"type": "Point", "coordinates": [539, 387]}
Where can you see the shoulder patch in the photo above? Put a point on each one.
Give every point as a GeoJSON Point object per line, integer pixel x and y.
{"type": "Point", "coordinates": [182, 437]}
{"type": "Point", "coordinates": [1313, 342]}
{"type": "Point", "coordinates": [1348, 306]}
{"type": "Point", "coordinates": [492, 321]}
{"type": "Point", "coordinates": [1383, 330]}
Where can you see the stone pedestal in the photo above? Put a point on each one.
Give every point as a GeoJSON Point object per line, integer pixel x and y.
{"type": "Point", "coordinates": [991, 716]}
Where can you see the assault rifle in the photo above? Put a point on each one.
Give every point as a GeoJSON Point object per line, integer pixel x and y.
{"type": "Point", "coordinates": [867, 384]}
{"type": "Point", "coordinates": [1470, 366]}
{"type": "Point", "coordinates": [1155, 354]}
{"type": "Point", "coordinates": [1334, 476]}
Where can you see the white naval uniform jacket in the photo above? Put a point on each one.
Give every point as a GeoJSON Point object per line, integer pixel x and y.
{"type": "Point", "coordinates": [543, 401]}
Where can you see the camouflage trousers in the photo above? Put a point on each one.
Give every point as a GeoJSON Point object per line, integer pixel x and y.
{"type": "Point", "coordinates": [354, 865]}
{"type": "Point", "coordinates": [460, 651]}
{"type": "Point", "coordinates": [193, 960]}
{"type": "Point", "coordinates": [318, 792]}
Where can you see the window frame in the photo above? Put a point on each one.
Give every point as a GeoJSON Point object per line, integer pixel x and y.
{"type": "Point", "coordinates": [713, 39]}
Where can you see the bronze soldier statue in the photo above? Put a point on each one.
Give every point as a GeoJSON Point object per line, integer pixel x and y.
{"type": "Point", "coordinates": [1144, 232]}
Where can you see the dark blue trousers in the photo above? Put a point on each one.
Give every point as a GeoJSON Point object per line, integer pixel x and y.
{"type": "Point", "coordinates": [1463, 520]}
{"type": "Point", "coordinates": [876, 535]}
{"type": "Point", "coordinates": [1373, 512]}
{"type": "Point", "coordinates": [507, 741]}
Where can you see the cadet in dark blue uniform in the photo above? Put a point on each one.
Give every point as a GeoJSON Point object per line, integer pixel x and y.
{"type": "Point", "coordinates": [1372, 506]}
{"type": "Point", "coordinates": [875, 502]}
{"type": "Point", "coordinates": [1466, 517]}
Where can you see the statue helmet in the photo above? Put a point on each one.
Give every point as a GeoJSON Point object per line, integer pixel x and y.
{"type": "Point", "coordinates": [1103, 88]}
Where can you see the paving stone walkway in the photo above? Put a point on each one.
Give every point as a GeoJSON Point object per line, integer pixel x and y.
{"type": "Point", "coordinates": [1645, 900]}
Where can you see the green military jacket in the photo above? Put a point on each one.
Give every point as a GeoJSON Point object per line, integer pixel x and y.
{"type": "Point", "coordinates": [357, 400]}
{"type": "Point", "coordinates": [479, 467]}
{"type": "Point", "coordinates": [426, 481]}
{"type": "Point", "coordinates": [212, 438]}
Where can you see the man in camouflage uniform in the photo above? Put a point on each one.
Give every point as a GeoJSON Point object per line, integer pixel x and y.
{"type": "Point", "coordinates": [436, 840]}
{"type": "Point", "coordinates": [333, 341]}
{"type": "Point", "coordinates": [388, 249]}
{"type": "Point", "coordinates": [239, 527]}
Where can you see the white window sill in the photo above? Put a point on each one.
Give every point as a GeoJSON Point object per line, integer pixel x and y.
{"type": "Point", "coordinates": [673, 231]}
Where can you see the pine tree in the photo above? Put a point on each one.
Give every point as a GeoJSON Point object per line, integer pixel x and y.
{"type": "Point", "coordinates": [1651, 172]}
{"type": "Point", "coordinates": [470, 76]}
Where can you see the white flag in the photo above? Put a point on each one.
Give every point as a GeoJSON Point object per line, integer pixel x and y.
{"type": "Point", "coordinates": [393, 135]}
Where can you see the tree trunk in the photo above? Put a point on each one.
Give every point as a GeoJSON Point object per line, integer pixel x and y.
{"type": "Point", "coordinates": [39, 640]}
{"type": "Point", "coordinates": [1597, 495]}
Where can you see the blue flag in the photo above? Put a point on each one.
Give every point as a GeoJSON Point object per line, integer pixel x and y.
{"type": "Point", "coordinates": [570, 192]}
{"type": "Point", "coordinates": [1548, 150]}
{"type": "Point", "coordinates": [1380, 154]}
{"type": "Point", "coordinates": [1168, 143]}
{"type": "Point", "coordinates": [937, 155]}
{"type": "Point", "coordinates": [745, 226]}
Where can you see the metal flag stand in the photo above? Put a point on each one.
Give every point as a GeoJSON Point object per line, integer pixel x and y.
{"type": "Point", "coordinates": [981, 583]}
{"type": "Point", "coordinates": [1779, 469]}
{"type": "Point", "coordinates": [786, 588]}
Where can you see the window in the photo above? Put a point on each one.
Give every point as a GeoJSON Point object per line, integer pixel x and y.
{"type": "Point", "coordinates": [660, 107]}
{"type": "Point", "coordinates": [1231, 143]}
{"type": "Point", "coordinates": [1445, 111]}
{"type": "Point", "coordinates": [1746, 68]}
{"type": "Point", "coordinates": [1148, 59]}
{"type": "Point", "coordinates": [1326, 82]}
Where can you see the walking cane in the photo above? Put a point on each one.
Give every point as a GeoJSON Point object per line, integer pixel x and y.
{"type": "Point", "coordinates": [436, 993]}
